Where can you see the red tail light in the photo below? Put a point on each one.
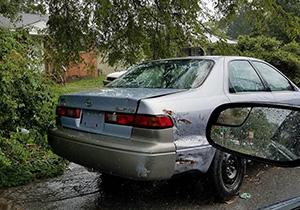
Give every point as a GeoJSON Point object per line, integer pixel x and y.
{"type": "Point", "coordinates": [68, 112]}
{"type": "Point", "coordinates": [146, 121]}
{"type": "Point", "coordinates": [122, 119]}
{"type": "Point", "coordinates": [153, 121]}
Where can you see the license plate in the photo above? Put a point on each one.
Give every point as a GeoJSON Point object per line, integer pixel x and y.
{"type": "Point", "coordinates": [92, 120]}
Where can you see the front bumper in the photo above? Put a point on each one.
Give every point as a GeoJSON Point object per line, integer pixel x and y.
{"type": "Point", "coordinates": [143, 157]}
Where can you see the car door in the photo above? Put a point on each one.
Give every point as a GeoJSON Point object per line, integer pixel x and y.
{"type": "Point", "coordinates": [281, 88]}
{"type": "Point", "coordinates": [243, 83]}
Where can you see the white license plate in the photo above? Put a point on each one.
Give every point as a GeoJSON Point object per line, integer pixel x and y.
{"type": "Point", "coordinates": [92, 120]}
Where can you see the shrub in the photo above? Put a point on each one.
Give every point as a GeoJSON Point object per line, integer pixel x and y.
{"type": "Point", "coordinates": [25, 102]}
{"type": "Point", "coordinates": [22, 160]}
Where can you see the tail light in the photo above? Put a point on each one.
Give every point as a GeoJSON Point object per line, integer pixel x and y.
{"type": "Point", "coordinates": [68, 112]}
{"type": "Point", "coordinates": [122, 119]}
{"type": "Point", "coordinates": [153, 121]}
{"type": "Point", "coordinates": [146, 121]}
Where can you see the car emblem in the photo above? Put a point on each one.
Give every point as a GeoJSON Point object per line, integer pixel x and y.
{"type": "Point", "coordinates": [88, 103]}
{"type": "Point", "coordinates": [63, 102]}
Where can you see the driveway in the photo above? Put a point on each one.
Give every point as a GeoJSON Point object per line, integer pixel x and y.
{"type": "Point", "coordinates": [81, 189]}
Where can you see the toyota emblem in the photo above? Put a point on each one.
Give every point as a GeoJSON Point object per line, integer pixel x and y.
{"type": "Point", "coordinates": [88, 103]}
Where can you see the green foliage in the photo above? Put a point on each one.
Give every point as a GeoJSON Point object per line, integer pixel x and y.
{"type": "Point", "coordinates": [11, 8]}
{"type": "Point", "coordinates": [284, 57]}
{"type": "Point", "coordinates": [125, 31]}
{"type": "Point", "coordinates": [292, 47]}
{"type": "Point", "coordinates": [69, 32]}
{"type": "Point", "coordinates": [253, 132]}
{"type": "Point", "coordinates": [130, 31]}
{"type": "Point", "coordinates": [257, 46]}
{"type": "Point", "coordinates": [257, 122]}
{"type": "Point", "coordinates": [272, 18]}
{"type": "Point", "coordinates": [239, 26]}
{"type": "Point", "coordinates": [74, 86]}
{"type": "Point", "coordinates": [222, 48]}
{"type": "Point", "coordinates": [284, 21]}
{"type": "Point", "coordinates": [25, 102]}
{"type": "Point", "coordinates": [22, 160]}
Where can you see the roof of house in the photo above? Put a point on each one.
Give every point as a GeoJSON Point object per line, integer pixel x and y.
{"type": "Point", "coordinates": [212, 38]}
{"type": "Point", "coordinates": [26, 20]}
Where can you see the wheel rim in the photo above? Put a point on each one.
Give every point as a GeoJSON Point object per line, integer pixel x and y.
{"type": "Point", "coordinates": [230, 169]}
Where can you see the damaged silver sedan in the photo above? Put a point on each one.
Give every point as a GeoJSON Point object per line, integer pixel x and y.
{"type": "Point", "coordinates": [150, 123]}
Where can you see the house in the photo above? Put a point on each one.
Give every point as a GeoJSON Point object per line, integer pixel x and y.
{"type": "Point", "coordinates": [36, 25]}
{"type": "Point", "coordinates": [199, 50]}
{"type": "Point", "coordinates": [34, 22]}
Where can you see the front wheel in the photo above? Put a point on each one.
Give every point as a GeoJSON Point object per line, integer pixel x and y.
{"type": "Point", "coordinates": [227, 175]}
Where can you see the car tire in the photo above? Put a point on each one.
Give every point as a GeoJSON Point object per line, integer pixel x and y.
{"type": "Point", "coordinates": [226, 175]}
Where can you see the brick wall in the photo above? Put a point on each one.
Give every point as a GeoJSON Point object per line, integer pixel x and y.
{"type": "Point", "coordinates": [88, 67]}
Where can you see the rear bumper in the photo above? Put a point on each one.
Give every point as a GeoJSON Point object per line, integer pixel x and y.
{"type": "Point", "coordinates": [130, 158]}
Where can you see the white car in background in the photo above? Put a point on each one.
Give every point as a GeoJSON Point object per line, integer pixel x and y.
{"type": "Point", "coordinates": [112, 76]}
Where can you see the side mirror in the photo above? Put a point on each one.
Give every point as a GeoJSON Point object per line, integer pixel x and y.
{"type": "Point", "coordinates": [264, 132]}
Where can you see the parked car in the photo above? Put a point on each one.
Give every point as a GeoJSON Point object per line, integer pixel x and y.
{"type": "Point", "coordinates": [150, 123]}
{"type": "Point", "coordinates": [112, 76]}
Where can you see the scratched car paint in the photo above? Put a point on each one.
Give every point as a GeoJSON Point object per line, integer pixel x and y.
{"type": "Point", "coordinates": [150, 123]}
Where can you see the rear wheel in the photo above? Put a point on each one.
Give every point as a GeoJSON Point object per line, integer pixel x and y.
{"type": "Point", "coordinates": [228, 173]}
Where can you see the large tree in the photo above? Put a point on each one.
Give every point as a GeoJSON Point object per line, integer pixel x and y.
{"type": "Point", "coordinates": [127, 30]}
{"type": "Point", "coordinates": [132, 30]}
{"type": "Point", "coordinates": [11, 8]}
{"type": "Point", "coordinates": [276, 28]}
{"type": "Point", "coordinates": [273, 18]}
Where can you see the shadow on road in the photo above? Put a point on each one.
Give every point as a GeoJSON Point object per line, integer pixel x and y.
{"type": "Point", "coordinates": [183, 190]}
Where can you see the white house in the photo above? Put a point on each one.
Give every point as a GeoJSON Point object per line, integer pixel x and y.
{"type": "Point", "coordinates": [35, 23]}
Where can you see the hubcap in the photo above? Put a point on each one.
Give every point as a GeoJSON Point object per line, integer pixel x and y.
{"type": "Point", "coordinates": [230, 167]}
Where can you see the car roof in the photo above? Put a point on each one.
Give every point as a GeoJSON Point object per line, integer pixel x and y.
{"type": "Point", "coordinates": [212, 57]}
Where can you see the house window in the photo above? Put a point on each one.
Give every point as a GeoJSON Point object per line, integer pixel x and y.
{"type": "Point", "coordinates": [194, 51]}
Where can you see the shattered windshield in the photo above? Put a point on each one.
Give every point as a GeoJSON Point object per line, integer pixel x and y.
{"type": "Point", "coordinates": [176, 74]}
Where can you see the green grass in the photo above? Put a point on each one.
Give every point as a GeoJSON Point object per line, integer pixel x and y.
{"type": "Point", "coordinates": [75, 86]}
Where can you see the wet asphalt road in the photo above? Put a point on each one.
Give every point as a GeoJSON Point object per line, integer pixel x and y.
{"type": "Point", "coordinates": [80, 189]}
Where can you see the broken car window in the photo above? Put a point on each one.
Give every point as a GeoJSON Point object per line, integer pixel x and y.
{"type": "Point", "coordinates": [176, 74]}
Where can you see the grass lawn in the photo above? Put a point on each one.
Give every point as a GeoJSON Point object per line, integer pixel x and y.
{"type": "Point", "coordinates": [77, 85]}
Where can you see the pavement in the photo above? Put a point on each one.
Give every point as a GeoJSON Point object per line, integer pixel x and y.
{"type": "Point", "coordinates": [79, 188]}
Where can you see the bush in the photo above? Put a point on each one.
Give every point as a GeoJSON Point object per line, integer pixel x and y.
{"type": "Point", "coordinates": [25, 102]}
{"type": "Point", "coordinates": [22, 160]}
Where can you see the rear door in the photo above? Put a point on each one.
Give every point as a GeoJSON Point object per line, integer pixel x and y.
{"type": "Point", "coordinates": [282, 89]}
{"type": "Point", "coordinates": [243, 83]}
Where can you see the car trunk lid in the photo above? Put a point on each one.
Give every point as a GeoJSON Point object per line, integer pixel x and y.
{"type": "Point", "coordinates": [96, 102]}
